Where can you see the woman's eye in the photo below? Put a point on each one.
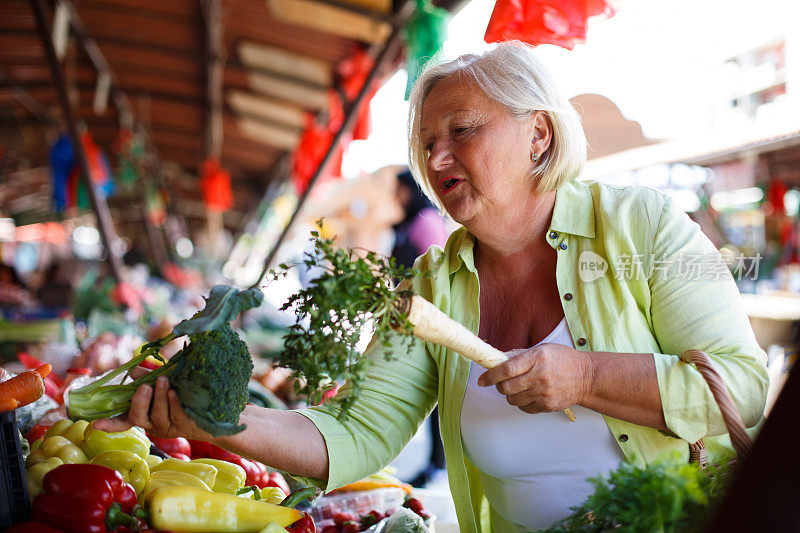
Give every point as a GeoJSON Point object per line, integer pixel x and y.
{"type": "Point", "coordinates": [460, 130]}
{"type": "Point", "coordinates": [429, 147]}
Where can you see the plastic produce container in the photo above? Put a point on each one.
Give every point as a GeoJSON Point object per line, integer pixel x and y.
{"type": "Point", "coordinates": [358, 503]}
{"type": "Point", "coordinates": [15, 505]}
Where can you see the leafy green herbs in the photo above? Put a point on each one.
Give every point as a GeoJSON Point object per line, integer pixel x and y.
{"type": "Point", "coordinates": [333, 311]}
{"type": "Point", "coordinates": [667, 496]}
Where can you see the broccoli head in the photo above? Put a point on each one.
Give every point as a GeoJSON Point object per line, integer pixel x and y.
{"type": "Point", "coordinates": [211, 376]}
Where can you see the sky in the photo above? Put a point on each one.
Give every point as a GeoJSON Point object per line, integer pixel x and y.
{"type": "Point", "coordinates": [658, 60]}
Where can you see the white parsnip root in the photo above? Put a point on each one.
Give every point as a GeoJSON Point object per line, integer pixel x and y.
{"type": "Point", "coordinates": [432, 325]}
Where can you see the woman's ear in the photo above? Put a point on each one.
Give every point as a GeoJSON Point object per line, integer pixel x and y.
{"type": "Point", "coordinates": [542, 134]}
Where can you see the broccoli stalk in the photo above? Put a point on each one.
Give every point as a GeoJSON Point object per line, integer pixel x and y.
{"type": "Point", "coordinates": [210, 374]}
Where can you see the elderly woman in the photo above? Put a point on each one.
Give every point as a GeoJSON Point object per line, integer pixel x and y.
{"type": "Point", "coordinates": [580, 282]}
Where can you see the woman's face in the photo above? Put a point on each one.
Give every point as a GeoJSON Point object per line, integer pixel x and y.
{"type": "Point", "coordinates": [479, 154]}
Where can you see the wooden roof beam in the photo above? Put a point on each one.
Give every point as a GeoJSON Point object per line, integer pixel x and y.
{"type": "Point", "coordinates": [306, 96]}
{"type": "Point", "coordinates": [285, 63]}
{"type": "Point", "coordinates": [215, 66]}
{"type": "Point", "coordinates": [246, 103]}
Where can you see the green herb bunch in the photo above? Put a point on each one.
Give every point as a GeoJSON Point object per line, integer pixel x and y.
{"type": "Point", "coordinates": [667, 496]}
{"type": "Point", "coordinates": [333, 311]}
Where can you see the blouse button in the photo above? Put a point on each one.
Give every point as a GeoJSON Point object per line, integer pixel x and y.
{"type": "Point", "coordinates": [581, 342]}
{"type": "Point", "coordinates": [563, 246]}
{"type": "Point", "coordinates": [623, 438]}
{"type": "Point", "coordinates": [568, 296]}
{"type": "Point", "coordinates": [553, 234]}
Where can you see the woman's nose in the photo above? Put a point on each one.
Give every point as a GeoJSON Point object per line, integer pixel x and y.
{"type": "Point", "coordinates": [440, 157]}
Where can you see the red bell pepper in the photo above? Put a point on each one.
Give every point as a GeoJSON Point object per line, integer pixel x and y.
{"type": "Point", "coordinates": [31, 527]}
{"type": "Point", "coordinates": [85, 498]}
{"type": "Point", "coordinates": [304, 525]}
{"type": "Point", "coordinates": [172, 446]}
{"type": "Point", "coordinates": [276, 479]}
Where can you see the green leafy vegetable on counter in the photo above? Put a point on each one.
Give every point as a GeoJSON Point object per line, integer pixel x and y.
{"type": "Point", "coordinates": [667, 496]}
{"type": "Point", "coordinates": [333, 311]}
{"type": "Point", "coordinates": [210, 374]}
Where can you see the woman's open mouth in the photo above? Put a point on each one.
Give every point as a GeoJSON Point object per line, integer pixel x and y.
{"type": "Point", "coordinates": [450, 183]}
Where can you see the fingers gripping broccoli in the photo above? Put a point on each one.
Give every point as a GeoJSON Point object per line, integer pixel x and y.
{"type": "Point", "coordinates": [211, 380]}
{"type": "Point", "coordinates": [210, 374]}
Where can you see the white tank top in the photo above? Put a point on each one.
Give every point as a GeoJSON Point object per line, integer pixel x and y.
{"type": "Point", "coordinates": [534, 467]}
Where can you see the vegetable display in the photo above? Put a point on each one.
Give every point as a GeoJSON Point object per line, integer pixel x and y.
{"type": "Point", "coordinates": [353, 292]}
{"type": "Point", "coordinates": [210, 374]}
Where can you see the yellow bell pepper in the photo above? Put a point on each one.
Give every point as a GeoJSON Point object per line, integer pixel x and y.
{"type": "Point", "coordinates": [56, 446]}
{"type": "Point", "coordinates": [230, 477]}
{"type": "Point", "coordinates": [36, 473]}
{"type": "Point", "coordinates": [171, 478]}
{"type": "Point", "coordinates": [197, 511]}
{"type": "Point", "coordinates": [72, 431]}
{"type": "Point", "coordinates": [35, 445]}
{"type": "Point", "coordinates": [152, 460]}
{"type": "Point", "coordinates": [206, 473]}
{"type": "Point", "coordinates": [133, 468]}
{"type": "Point", "coordinates": [132, 440]}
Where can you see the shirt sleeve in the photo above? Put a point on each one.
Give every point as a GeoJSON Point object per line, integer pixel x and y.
{"type": "Point", "coordinates": [395, 398]}
{"type": "Point", "coordinates": [695, 304]}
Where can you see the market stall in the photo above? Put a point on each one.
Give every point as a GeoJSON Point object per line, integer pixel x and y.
{"type": "Point", "coordinates": [172, 207]}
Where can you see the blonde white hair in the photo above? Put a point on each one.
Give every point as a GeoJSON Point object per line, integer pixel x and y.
{"type": "Point", "coordinates": [513, 76]}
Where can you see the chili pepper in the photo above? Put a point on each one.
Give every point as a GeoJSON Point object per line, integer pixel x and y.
{"type": "Point", "coordinates": [200, 448]}
{"type": "Point", "coordinates": [304, 493]}
{"type": "Point", "coordinates": [84, 499]}
{"type": "Point", "coordinates": [230, 477]}
{"type": "Point", "coordinates": [304, 525]}
{"type": "Point", "coordinates": [213, 511]}
{"type": "Point", "coordinates": [36, 473]}
{"type": "Point", "coordinates": [133, 468]}
{"type": "Point", "coordinates": [206, 473]}
{"type": "Point", "coordinates": [132, 440]}
{"type": "Point", "coordinates": [171, 478]}
{"type": "Point", "coordinates": [31, 527]}
{"type": "Point", "coordinates": [170, 446]}
{"type": "Point", "coordinates": [151, 363]}
{"type": "Point", "coordinates": [56, 446]}
{"type": "Point", "coordinates": [35, 433]}
{"type": "Point", "coordinates": [180, 456]}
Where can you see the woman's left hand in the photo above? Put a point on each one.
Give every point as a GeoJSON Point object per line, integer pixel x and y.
{"type": "Point", "coordinates": [543, 379]}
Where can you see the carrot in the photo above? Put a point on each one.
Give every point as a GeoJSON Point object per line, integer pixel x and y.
{"type": "Point", "coordinates": [432, 325]}
{"type": "Point", "coordinates": [23, 389]}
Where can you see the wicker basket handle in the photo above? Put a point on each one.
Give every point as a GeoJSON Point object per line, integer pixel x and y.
{"type": "Point", "coordinates": [730, 414]}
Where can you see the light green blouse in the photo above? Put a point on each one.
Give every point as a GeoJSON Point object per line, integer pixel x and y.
{"type": "Point", "coordinates": [636, 276]}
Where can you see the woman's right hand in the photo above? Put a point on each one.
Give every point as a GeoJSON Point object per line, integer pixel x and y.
{"type": "Point", "coordinates": [158, 412]}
